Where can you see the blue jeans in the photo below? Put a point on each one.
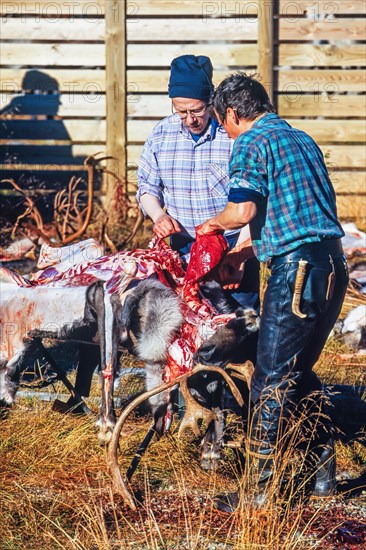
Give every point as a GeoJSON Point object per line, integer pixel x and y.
{"type": "Point", "coordinates": [247, 295]}
{"type": "Point", "coordinates": [288, 345]}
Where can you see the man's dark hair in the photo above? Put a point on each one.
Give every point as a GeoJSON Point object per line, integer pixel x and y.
{"type": "Point", "coordinates": [244, 94]}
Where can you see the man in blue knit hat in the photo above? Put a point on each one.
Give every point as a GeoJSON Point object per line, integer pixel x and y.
{"type": "Point", "coordinates": [183, 173]}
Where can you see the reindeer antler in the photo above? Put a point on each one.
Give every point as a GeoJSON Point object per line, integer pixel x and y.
{"type": "Point", "coordinates": [193, 413]}
{"type": "Point", "coordinates": [119, 485]}
{"type": "Point", "coordinates": [31, 211]}
{"type": "Point", "coordinates": [69, 204]}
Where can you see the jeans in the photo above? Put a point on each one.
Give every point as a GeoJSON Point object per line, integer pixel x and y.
{"type": "Point", "coordinates": [288, 345]}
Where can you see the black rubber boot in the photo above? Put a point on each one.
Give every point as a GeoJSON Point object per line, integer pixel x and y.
{"type": "Point", "coordinates": [259, 470]}
{"type": "Point", "coordinates": [325, 480]}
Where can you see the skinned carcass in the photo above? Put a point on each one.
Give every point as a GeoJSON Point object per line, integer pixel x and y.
{"type": "Point", "coordinates": [66, 298]}
{"type": "Point", "coordinates": [30, 313]}
{"type": "Point", "coordinates": [151, 320]}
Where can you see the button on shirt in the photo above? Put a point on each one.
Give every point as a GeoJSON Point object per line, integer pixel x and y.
{"type": "Point", "coordinates": [189, 178]}
{"type": "Point", "coordinates": [282, 170]}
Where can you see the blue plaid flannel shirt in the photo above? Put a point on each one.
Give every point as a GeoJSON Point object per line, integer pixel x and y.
{"type": "Point", "coordinates": [282, 170]}
{"type": "Point", "coordinates": [191, 179]}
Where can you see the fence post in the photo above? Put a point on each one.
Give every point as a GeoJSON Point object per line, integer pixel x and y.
{"type": "Point", "coordinates": [115, 21]}
{"type": "Point", "coordinates": [265, 45]}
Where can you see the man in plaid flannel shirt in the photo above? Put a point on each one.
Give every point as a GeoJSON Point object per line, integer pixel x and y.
{"type": "Point", "coordinates": [183, 172]}
{"type": "Point", "coordinates": [280, 186]}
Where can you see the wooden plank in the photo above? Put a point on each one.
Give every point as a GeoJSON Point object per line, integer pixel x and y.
{"type": "Point", "coordinates": [11, 79]}
{"type": "Point", "coordinates": [321, 8]}
{"type": "Point", "coordinates": [336, 156]}
{"type": "Point", "coordinates": [96, 8]}
{"type": "Point", "coordinates": [265, 47]}
{"type": "Point", "coordinates": [324, 55]}
{"type": "Point", "coordinates": [35, 28]}
{"type": "Point", "coordinates": [350, 209]}
{"type": "Point", "coordinates": [318, 105]}
{"type": "Point", "coordinates": [116, 95]}
{"type": "Point", "coordinates": [323, 131]}
{"type": "Point", "coordinates": [331, 29]}
{"type": "Point", "coordinates": [53, 154]}
{"type": "Point", "coordinates": [150, 80]}
{"type": "Point", "coordinates": [62, 105]}
{"type": "Point", "coordinates": [223, 10]}
{"type": "Point", "coordinates": [328, 80]}
{"type": "Point", "coordinates": [52, 55]}
{"type": "Point", "coordinates": [46, 167]}
{"type": "Point", "coordinates": [222, 55]}
{"type": "Point", "coordinates": [157, 106]}
{"type": "Point", "coordinates": [188, 30]}
{"type": "Point", "coordinates": [138, 55]}
{"type": "Point", "coordinates": [89, 131]}
{"type": "Point", "coordinates": [328, 131]}
{"type": "Point", "coordinates": [353, 183]}
{"type": "Point", "coordinates": [138, 130]}
{"type": "Point", "coordinates": [134, 154]}
{"type": "Point", "coordinates": [47, 8]}
{"type": "Point", "coordinates": [344, 156]}
{"type": "Point", "coordinates": [298, 105]}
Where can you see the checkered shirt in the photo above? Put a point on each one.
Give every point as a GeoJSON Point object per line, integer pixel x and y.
{"type": "Point", "coordinates": [191, 179]}
{"type": "Point", "coordinates": [283, 171]}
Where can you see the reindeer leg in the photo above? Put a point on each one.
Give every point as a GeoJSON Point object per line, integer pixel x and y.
{"type": "Point", "coordinates": [213, 440]}
{"type": "Point", "coordinates": [108, 362]}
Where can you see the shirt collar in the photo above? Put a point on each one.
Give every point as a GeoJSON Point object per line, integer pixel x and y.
{"type": "Point", "coordinates": [264, 119]}
{"type": "Point", "coordinates": [209, 133]}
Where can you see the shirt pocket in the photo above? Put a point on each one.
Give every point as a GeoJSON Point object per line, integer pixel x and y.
{"type": "Point", "coordinates": [218, 180]}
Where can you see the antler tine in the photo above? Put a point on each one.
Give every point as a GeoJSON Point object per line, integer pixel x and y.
{"type": "Point", "coordinates": [230, 382]}
{"type": "Point", "coordinates": [245, 370]}
{"type": "Point", "coordinates": [194, 412]}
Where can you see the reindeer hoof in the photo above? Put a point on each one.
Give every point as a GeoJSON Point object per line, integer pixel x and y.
{"type": "Point", "coordinates": [104, 437]}
{"type": "Point", "coordinates": [210, 461]}
{"type": "Point", "coordinates": [105, 431]}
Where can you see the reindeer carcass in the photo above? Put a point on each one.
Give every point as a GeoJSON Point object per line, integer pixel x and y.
{"type": "Point", "coordinates": [64, 313]}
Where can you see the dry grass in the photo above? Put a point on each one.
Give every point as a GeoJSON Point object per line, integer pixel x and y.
{"type": "Point", "coordinates": [55, 493]}
{"type": "Point", "coordinates": [55, 490]}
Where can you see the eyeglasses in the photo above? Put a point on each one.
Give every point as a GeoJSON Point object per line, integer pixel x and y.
{"type": "Point", "coordinates": [193, 112]}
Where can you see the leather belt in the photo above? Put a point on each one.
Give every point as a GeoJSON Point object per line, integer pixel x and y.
{"type": "Point", "coordinates": [312, 252]}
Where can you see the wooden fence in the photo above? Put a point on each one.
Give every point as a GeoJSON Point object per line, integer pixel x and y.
{"type": "Point", "coordinates": [79, 77]}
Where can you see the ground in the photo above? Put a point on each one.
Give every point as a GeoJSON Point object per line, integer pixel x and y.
{"type": "Point", "coordinates": [55, 489]}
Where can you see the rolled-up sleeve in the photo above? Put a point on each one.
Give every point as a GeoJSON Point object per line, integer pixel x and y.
{"type": "Point", "coordinates": [148, 174]}
{"type": "Point", "coordinates": [248, 173]}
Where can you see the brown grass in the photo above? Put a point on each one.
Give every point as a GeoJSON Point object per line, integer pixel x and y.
{"type": "Point", "coordinates": [55, 490]}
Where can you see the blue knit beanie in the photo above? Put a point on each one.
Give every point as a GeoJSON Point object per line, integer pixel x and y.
{"type": "Point", "coordinates": [191, 77]}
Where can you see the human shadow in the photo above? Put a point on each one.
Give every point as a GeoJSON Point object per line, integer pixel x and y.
{"type": "Point", "coordinates": [348, 413]}
{"type": "Point", "coordinates": [31, 126]}
{"type": "Point", "coordinates": [38, 150]}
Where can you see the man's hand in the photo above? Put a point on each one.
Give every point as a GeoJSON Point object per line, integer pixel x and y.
{"type": "Point", "coordinates": [232, 267]}
{"type": "Point", "coordinates": [165, 226]}
{"type": "Point", "coordinates": [208, 228]}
